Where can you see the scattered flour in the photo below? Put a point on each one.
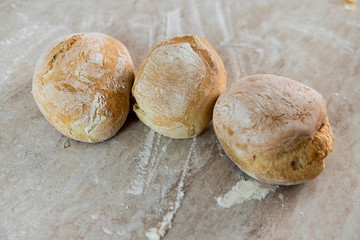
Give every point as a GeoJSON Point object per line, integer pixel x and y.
{"type": "Point", "coordinates": [156, 159]}
{"type": "Point", "coordinates": [120, 232]}
{"type": "Point", "coordinates": [149, 158]}
{"type": "Point", "coordinates": [158, 233]}
{"type": "Point", "coordinates": [173, 26]}
{"type": "Point", "coordinates": [281, 196]}
{"type": "Point", "coordinates": [138, 183]}
{"type": "Point", "coordinates": [108, 231]}
{"type": "Point", "coordinates": [220, 16]}
{"type": "Point", "coordinates": [244, 191]}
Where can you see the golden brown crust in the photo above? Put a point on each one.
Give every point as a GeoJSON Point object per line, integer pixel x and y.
{"type": "Point", "coordinates": [82, 85]}
{"type": "Point", "coordinates": [176, 86]}
{"type": "Point", "coordinates": [276, 131]}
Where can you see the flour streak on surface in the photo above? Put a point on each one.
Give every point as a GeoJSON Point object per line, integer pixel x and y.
{"type": "Point", "coordinates": [165, 225]}
{"type": "Point", "coordinates": [195, 14]}
{"type": "Point", "coordinates": [148, 160]}
{"type": "Point", "coordinates": [138, 183]}
{"type": "Point", "coordinates": [222, 23]}
{"type": "Point", "coordinates": [108, 231]}
{"type": "Point", "coordinates": [22, 53]}
{"type": "Point", "coordinates": [244, 191]}
{"type": "Point", "coordinates": [173, 26]}
{"type": "Point", "coordinates": [156, 159]}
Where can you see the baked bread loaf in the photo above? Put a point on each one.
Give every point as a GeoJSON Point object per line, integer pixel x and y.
{"type": "Point", "coordinates": [274, 129]}
{"type": "Point", "coordinates": [82, 85]}
{"type": "Point", "coordinates": [176, 86]}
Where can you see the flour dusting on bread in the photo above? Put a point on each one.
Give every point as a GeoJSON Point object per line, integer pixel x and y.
{"type": "Point", "coordinates": [82, 85]}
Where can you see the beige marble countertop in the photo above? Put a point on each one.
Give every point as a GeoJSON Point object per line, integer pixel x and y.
{"type": "Point", "coordinates": [53, 187]}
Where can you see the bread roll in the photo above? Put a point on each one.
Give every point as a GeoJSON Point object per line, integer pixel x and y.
{"type": "Point", "coordinates": [274, 129]}
{"type": "Point", "coordinates": [176, 86]}
{"type": "Point", "coordinates": [82, 86]}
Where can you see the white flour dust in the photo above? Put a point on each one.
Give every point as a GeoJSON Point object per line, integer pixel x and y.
{"type": "Point", "coordinates": [138, 183]}
{"type": "Point", "coordinates": [158, 233]}
{"type": "Point", "coordinates": [245, 190]}
{"type": "Point", "coordinates": [23, 51]}
{"type": "Point", "coordinates": [156, 159]}
{"type": "Point", "coordinates": [219, 13]}
{"type": "Point", "coordinates": [148, 160]}
{"type": "Point", "coordinates": [173, 26]}
{"type": "Point", "coordinates": [108, 231]}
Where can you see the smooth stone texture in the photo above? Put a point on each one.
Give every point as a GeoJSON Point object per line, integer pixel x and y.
{"type": "Point", "coordinates": [56, 188]}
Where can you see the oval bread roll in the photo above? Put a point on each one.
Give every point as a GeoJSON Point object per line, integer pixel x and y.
{"type": "Point", "coordinates": [176, 86]}
{"type": "Point", "coordinates": [82, 86]}
{"type": "Point", "coordinates": [274, 129]}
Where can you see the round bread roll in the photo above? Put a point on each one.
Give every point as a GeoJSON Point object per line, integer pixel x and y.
{"type": "Point", "coordinates": [273, 128]}
{"type": "Point", "coordinates": [82, 86]}
{"type": "Point", "coordinates": [176, 86]}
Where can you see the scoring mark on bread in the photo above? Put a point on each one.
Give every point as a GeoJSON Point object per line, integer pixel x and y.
{"type": "Point", "coordinates": [60, 49]}
{"type": "Point", "coordinates": [65, 86]}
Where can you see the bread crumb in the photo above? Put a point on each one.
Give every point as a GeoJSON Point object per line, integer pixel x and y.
{"type": "Point", "coordinates": [245, 190]}
{"type": "Point", "coordinates": [156, 233]}
{"type": "Point", "coordinates": [119, 232]}
{"type": "Point", "coordinates": [281, 196]}
{"type": "Point", "coordinates": [108, 231]}
{"type": "Point", "coordinates": [67, 144]}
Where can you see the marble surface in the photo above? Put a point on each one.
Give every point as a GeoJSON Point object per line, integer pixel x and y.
{"type": "Point", "coordinates": [52, 187]}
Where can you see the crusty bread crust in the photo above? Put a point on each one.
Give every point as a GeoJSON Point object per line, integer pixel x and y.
{"type": "Point", "coordinates": [82, 85]}
{"type": "Point", "coordinates": [275, 129]}
{"type": "Point", "coordinates": [176, 86]}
